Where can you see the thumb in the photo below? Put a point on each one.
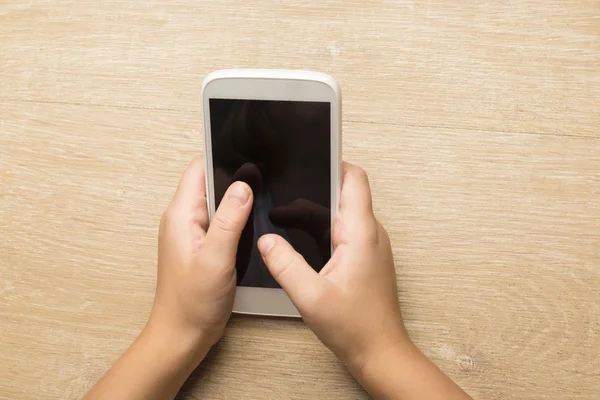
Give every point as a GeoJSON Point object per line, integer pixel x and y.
{"type": "Point", "coordinates": [226, 226]}
{"type": "Point", "coordinates": [302, 283]}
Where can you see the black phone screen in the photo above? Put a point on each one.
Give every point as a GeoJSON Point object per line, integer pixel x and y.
{"type": "Point", "coordinates": [282, 150]}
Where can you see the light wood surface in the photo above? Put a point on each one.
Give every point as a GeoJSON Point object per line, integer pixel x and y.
{"type": "Point", "coordinates": [478, 122]}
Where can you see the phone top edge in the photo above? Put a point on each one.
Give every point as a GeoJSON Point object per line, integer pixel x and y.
{"type": "Point", "coordinates": [274, 74]}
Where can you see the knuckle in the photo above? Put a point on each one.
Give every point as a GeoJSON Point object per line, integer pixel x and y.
{"type": "Point", "coordinates": [384, 236]}
{"type": "Point", "coordinates": [361, 173]}
{"type": "Point", "coordinates": [167, 218]}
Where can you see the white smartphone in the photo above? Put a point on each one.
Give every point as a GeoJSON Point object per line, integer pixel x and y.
{"type": "Point", "coordinates": [280, 132]}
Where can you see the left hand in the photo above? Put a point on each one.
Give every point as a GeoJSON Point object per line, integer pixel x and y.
{"type": "Point", "coordinates": [196, 264]}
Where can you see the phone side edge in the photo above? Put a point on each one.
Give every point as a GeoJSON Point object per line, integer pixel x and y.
{"type": "Point", "coordinates": [208, 164]}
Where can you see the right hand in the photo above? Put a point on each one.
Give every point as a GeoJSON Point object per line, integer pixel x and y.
{"type": "Point", "coordinates": [351, 304]}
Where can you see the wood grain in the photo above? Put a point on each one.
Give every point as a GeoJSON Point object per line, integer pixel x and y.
{"type": "Point", "coordinates": [530, 66]}
{"type": "Point", "coordinates": [477, 121]}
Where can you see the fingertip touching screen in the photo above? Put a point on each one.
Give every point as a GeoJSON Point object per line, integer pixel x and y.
{"type": "Point", "coordinates": [282, 150]}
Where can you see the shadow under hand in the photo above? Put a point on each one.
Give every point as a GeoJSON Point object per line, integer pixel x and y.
{"type": "Point", "coordinates": [308, 216]}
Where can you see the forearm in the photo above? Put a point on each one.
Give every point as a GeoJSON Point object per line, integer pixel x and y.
{"type": "Point", "coordinates": [404, 373]}
{"type": "Point", "coordinates": [154, 367]}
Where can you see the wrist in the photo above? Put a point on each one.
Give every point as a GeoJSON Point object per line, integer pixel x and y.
{"type": "Point", "coordinates": [403, 372]}
{"type": "Point", "coordinates": [183, 347]}
{"type": "Point", "coordinates": [385, 373]}
{"type": "Point", "coordinates": [155, 366]}
{"type": "Point", "coordinates": [393, 350]}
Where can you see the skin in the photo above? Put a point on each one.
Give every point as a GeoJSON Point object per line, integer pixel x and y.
{"type": "Point", "coordinates": [351, 304]}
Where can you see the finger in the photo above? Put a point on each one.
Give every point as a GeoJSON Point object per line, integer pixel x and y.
{"type": "Point", "coordinates": [191, 192]}
{"type": "Point", "coordinates": [227, 224]}
{"type": "Point", "coordinates": [302, 284]}
{"type": "Point", "coordinates": [355, 195]}
{"type": "Point", "coordinates": [355, 221]}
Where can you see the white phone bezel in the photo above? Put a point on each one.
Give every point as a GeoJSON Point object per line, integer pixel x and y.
{"type": "Point", "coordinates": [264, 84]}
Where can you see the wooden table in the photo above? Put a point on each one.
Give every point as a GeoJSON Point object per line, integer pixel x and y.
{"type": "Point", "coordinates": [478, 122]}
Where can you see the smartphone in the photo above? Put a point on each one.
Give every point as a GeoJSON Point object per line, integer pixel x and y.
{"type": "Point", "coordinates": [280, 132]}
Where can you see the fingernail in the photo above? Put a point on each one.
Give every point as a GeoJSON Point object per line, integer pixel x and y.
{"type": "Point", "coordinates": [239, 193]}
{"type": "Point", "coordinates": [265, 244]}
